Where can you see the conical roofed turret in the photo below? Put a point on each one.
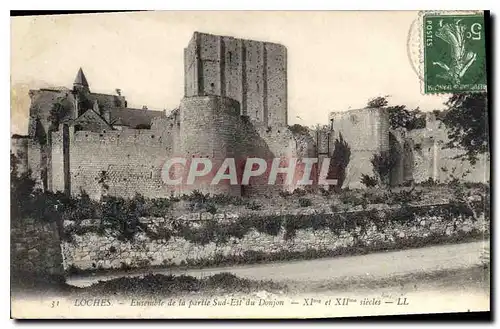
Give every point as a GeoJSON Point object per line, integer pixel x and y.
{"type": "Point", "coordinates": [80, 79]}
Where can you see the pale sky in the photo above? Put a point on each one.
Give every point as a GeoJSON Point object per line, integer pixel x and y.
{"type": "Point", "coordinates": [336, 60]}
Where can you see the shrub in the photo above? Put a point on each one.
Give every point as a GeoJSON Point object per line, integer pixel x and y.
{"type": "Point", "coordinates": [383, 163]}
{"type": "Point", "coordinates": [304, 202]}
{"type": "Point", "coordinates": [377, 102]}
{"type": "Point", "coordinates": [199, 201]}
{"type": "Point", "coordinates": [253, 205]}
{"type": "Point", "coordinates": [269, 225]}
{"type": "Point", "coordinates": [403, 214]}
{"type": "Point", "coordinates": [121, 216]}
{"type": "Point", "coordinates": [21, 188]}
{"type": "Point", "coordinates": [299, 130]}
{"type": "Point", "coordinates": [224, 199]}
{"type": "Point", "coordinates": [284, 194]}
{"type": "Point", "coordinates": [376, 196]}
{"type": "Point", "coordinates": [232, 229]}
{"type": "Point", "coordinates": [210, 231]}
{"type": "Point", "coordinates": [211, 208]}
{"type": "Point", "coordinates": [352, 198]}
{"type": "Point", "coordinates": [170, 285]}
{"type": "Point", "coordinates": [340, 159]}
{"type": "Point", "coordinates": [159, 233]}
{"type": "Point", "coordinates": [158, 207]}
{"type": "Point", "coordinates": [299, 192]}
{"type": "Point", "coordinates": [196, 196]}
{"type": "Point", "coordinates": [196, 200]}
{"type": "Point", "coordinates": [334, 208]}
{"type": "Point", "coordinates": [404, 196]}
{"type": "Point", "coordinates": [124, 266]}
{"type": "Point", "coordinates": [324, 192]}
{"type": "Point", "coordinates": [291, 225]}
{"type": "Point", "coordinates": [368, 181]}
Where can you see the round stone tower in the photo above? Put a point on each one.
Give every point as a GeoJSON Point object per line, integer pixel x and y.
{"type": "Point", "coordinates": [209, 129]}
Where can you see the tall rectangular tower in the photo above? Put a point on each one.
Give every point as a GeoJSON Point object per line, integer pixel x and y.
{"type": "Point", "coordinates": [252, 72]}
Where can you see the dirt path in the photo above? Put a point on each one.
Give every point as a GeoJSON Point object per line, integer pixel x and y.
{"type": "Point", "coordinates": [453, 256]}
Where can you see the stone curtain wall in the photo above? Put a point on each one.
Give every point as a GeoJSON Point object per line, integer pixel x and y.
{"type": "Point", "coordinates": [35, 248]}
{"type": "Point", "coordinates": [131, 159]}
{"type": "Point", "coordinates": [366, 131]}
{"type": "Point", "coordinates": [92, 252]}
{"type": "Point", "coordinates": [431, 157]}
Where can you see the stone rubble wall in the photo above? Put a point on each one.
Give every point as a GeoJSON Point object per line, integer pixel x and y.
{"type": "Point", "coordinates": [91, 251]}
{"type": "Point", "coordinates": [35, 247]}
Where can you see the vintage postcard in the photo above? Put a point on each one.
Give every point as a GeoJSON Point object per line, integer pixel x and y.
{"type": "Point", "coordinates": [249, 164]}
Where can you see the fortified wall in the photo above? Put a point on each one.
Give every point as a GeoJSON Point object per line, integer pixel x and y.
{"type": "Point", "coordinates": [127, 162]}
{"type": "Point", "coordinates": [130, 161]}
{"type": "Point", "coordinates": [29, 155]}
{"type": "Point", "coordinates": [419, 155]}
{"type": "Point", "coordinates": [235, 106]}
{"type": "Point", "coordinates": [367, 132]}
{"type": "Point", "coordinates": [431, 159]}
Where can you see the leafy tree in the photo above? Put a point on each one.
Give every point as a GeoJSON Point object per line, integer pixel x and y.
{"type": "Point", "coordinates": [299, 129]}
{"type": "Point", "coordinates": [468, 127]}
{"type": "Point", "coordinates": [339, 161]}
{"type": "Point", "coordinates": [377, 102]}
{"type": "Point", "coordinates": [368, 181]}
{"type": "Point", "coordinates": [399, 115]}
{"type": "Point", "coordinates": [383, 163]}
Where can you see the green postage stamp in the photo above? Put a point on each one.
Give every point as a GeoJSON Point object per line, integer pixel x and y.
{"type": "Point", "coordinates": [454, 53]}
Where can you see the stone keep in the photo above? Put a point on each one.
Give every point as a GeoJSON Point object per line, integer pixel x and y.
{"type": "Point", "coordinates": [252, 72]}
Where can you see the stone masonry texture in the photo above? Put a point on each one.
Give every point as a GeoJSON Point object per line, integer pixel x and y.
{"type": "Point", "coordinates": [91, 251]}
{"type": "Point", "coordinates": [235, 105]}
{"type": "Point", "coordinates": [252, 72]}
{"type": "Point", "coordinates": [35, 247]}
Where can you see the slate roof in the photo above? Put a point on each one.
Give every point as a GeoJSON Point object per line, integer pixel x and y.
{"type": "Point", "coordinates": [81, 79]}
{"type": "Point", "coordinates": [133, 117]}
{"type": "Point", "coordinates": [91, 120]}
